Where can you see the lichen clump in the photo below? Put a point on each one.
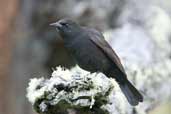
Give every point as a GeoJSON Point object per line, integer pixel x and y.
{"type": "Point", "coordinates": [66, 89]}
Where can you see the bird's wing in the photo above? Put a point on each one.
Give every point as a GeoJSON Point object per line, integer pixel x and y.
{"type": "Point", "coordinates": [100, 42]}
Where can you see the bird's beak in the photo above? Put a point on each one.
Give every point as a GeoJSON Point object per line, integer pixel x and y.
{"type": "Point", "coordinates": [56, 24]}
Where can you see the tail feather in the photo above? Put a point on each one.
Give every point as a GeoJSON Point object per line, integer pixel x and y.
{"type": "Point", "coordinates": [132, 94]}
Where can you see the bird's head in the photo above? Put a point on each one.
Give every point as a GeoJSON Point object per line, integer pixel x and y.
{"type": "Point", "coordinates": [67, 28]}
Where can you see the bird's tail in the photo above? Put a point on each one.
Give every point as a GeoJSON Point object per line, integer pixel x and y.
{"type": "Point", "coordinates": [132, 94]}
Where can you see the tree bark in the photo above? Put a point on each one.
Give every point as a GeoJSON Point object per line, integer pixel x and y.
{"type": "Point", "coordinates": [8, 9]}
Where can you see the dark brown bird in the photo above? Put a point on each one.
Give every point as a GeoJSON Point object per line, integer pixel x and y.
{"type": "Point", "coordinates": [94, 54]}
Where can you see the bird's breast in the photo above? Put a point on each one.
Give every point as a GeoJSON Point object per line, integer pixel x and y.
{"type": "Point", "coordinates": [88, 56]}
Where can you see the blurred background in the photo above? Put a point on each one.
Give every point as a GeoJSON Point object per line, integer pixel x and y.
{"type": "Point", "coordinates": [29, 47]}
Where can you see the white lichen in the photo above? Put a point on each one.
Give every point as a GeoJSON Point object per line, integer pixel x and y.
{"type": "Point", "coordinates": [76, 87]}
{"type": "Point", "coordinates": [43, 106]}
{"type": "Point", "coordinates": [35, 93]}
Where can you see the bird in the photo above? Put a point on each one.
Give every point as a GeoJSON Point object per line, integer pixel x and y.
{"type": "Point", "coordinates": [93, 53]}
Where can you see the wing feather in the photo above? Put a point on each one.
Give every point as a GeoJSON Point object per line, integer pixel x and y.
{"type": "Point", "coordinates": [100, 42]}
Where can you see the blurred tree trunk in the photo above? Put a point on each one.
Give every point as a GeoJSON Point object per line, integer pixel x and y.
{"type": "Point", "coordinates": [8, 10]}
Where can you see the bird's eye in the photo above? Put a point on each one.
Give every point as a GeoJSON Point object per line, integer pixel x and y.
{"type": "Point", "coordinates": [64, 24]}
